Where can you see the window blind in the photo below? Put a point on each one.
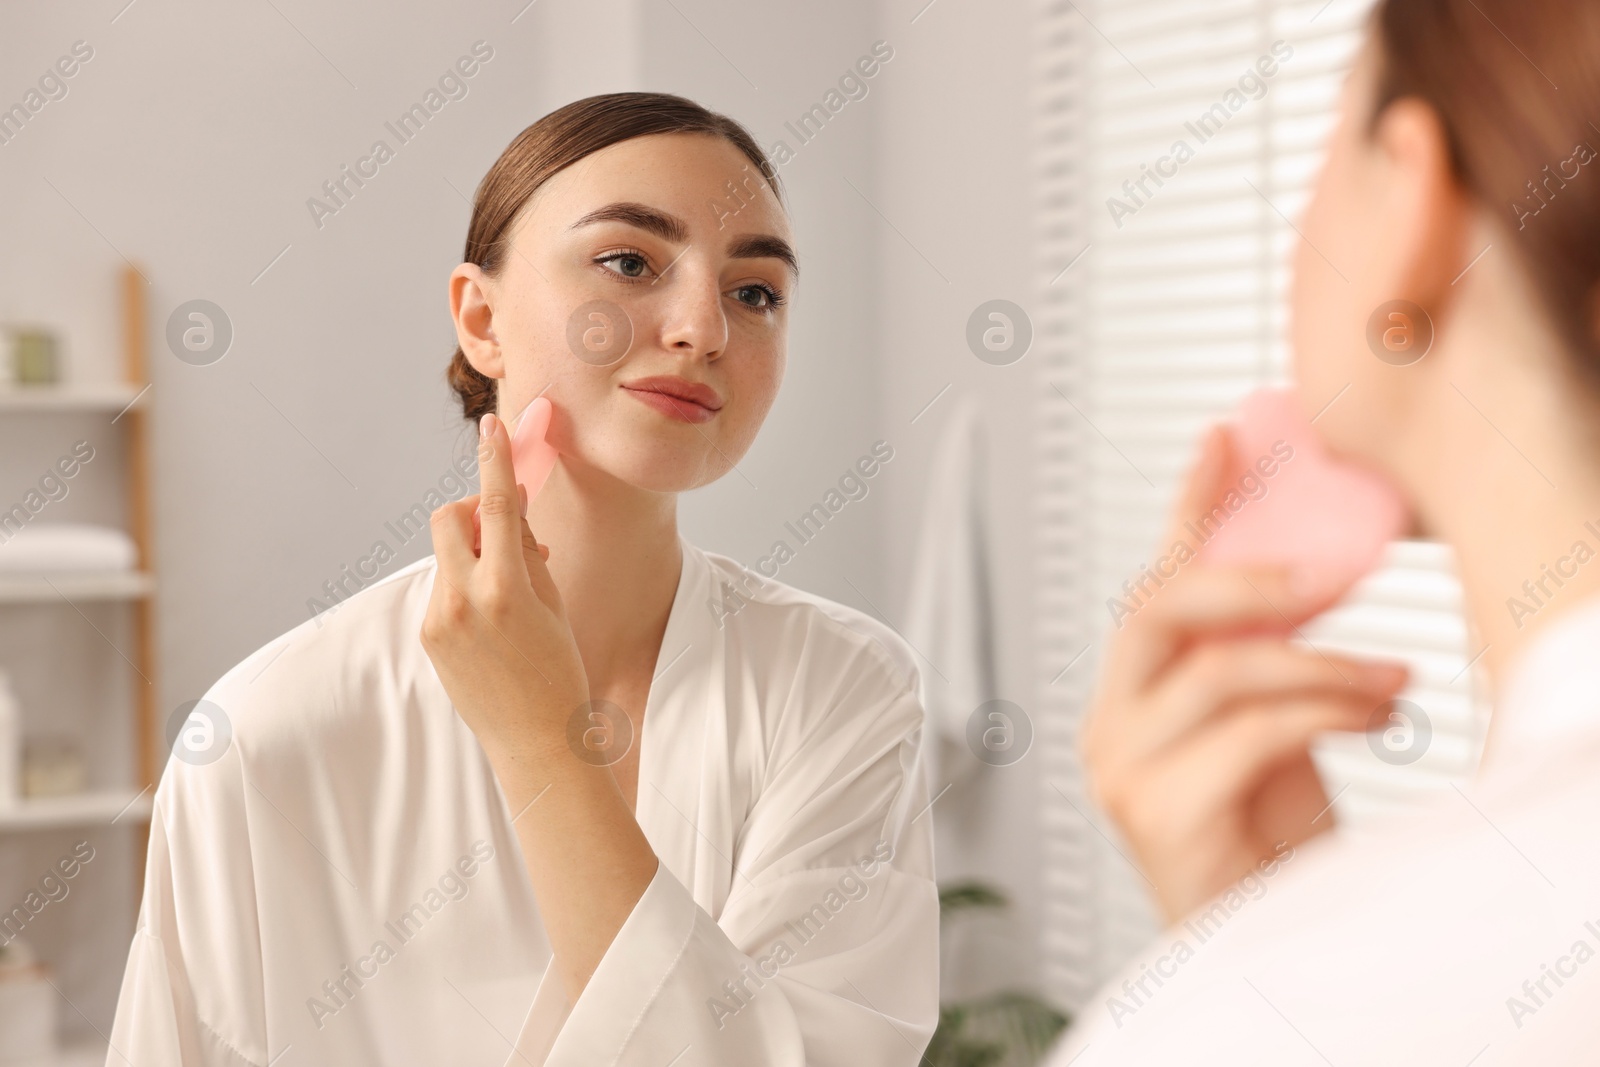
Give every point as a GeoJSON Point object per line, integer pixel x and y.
{"type": "Point", "coordinates": [1177, 139]}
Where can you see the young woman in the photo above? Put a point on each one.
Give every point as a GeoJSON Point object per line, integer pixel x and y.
{"type": "Point", "coordinates": [566, 800]}
{"type": "Point", "coordinates": [1467, 935]}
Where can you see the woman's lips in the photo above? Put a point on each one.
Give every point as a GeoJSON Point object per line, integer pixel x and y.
{"type": "Point", "coordinates": [676, 397]}
{"type": "Point", "coordinates": [672, 407]}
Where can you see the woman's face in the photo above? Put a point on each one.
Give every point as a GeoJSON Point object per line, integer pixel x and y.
{"type": "Point", "coordinates": [659, 263]}
{"type": "Point", "coordinates": [1365, 233]}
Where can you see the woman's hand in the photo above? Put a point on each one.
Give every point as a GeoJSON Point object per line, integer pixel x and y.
{"type": "Point", "coordinates": [495, 628]}
{"type": "Point", "coordinates": [1198, 741]}
{"type": "Point", "coordinates": [498, 636]}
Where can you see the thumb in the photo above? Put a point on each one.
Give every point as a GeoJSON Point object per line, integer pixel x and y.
{"type": "Point", "coordinates": [1204, 485]}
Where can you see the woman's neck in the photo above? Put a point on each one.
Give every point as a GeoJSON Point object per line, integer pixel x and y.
{"type": "Point", "coordinates": [614, 555]}
{"type": "Point", "coordinates": [1507, 478]}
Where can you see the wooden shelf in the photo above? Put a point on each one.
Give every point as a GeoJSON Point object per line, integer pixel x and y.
{"type": "Point", "coordinates": [124, 406]}
{"type": "Point", "coordinates": [100, 808]}
{"type": "Point", "coordinates": [110, 585]}
{"type": "Point", "coordinates": [71, 396]}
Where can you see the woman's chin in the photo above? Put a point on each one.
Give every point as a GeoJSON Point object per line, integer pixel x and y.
{"type": "Point", "coordinates": [664, 467]}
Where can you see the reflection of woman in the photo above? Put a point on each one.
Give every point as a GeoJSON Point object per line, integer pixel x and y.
{"type": "Point", "coordinates": [1467, 934]}
{"type": "Point", "coordinates": [429, 842]}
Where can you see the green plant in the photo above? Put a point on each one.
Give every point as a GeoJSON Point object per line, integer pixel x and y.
{"type": "Point", "coordinates": [1011, 1028]}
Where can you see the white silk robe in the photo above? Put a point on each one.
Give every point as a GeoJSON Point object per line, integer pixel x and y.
{"type": "Point", "coordinates": [343, 884]}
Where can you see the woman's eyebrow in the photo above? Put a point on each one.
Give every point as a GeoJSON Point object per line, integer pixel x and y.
{"type": "Point", "coordinates": [653, 220]}
{"type": "Point", "coordinates": [764, 246]}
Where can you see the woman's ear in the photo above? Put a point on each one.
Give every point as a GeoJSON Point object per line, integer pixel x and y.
{"type": "Point", "coordinates": [1425, 212]}
{"type": "Point", "coordinates": [471, 296]}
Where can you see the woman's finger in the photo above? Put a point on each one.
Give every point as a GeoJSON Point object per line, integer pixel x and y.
{"type": "Point", "coordinates": [500, 515]}
{"type": "Point", "coordinates": [1207, 598]}
{"type": "Point", "coordinates": [1220, 675]}
{"type": "Point", "coordinates": [534, 559]}
{"type": "Point", "coordinates": [1230, 759]}
{"type": "Point", "coordinates": [451, 528]}
{"type": "Point", "coordinates": [1203, 601]}
{"type": "Point", "coordinates": [1204, 484]}
{"type": "Point", "coordinates": [471, 503]}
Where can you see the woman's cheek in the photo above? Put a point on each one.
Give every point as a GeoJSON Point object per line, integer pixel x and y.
{"type": "Point", "coordinates": [753, 404]}
{"type": "Point", "coordinates": [582, 398]}
{"type": "Point", "coordinates": [1316, 310]}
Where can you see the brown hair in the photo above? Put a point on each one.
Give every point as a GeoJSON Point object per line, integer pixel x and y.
{"type": "Point", "coordinates": [1515, 84]}
{"type": "Point", "coordinates": [549, 146]}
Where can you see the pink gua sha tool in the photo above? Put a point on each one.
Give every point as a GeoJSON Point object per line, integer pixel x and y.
{"type": "Point", "coordinates": [532, 457]}
{"type": "Point", "coordinates": [1320, 515]}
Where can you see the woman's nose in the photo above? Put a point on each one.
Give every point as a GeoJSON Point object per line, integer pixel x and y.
{"type": "Point", "coordinates": [693, 320]}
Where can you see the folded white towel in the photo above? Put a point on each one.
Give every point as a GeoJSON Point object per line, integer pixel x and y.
{"type": "Point", "coordinates": [74, 547]}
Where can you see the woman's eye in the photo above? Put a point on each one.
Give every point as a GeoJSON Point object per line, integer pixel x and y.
{"type": "Point", "coordinates": [627, 264]}
{"type": "Point", "coordinates": [756, 296]}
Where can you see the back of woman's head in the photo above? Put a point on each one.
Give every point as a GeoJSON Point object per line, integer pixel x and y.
{"type": "Point", "coordinates": [1517, 86]}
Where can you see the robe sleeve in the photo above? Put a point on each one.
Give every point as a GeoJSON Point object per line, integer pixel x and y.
{"type": "Point", "coordinates": [192, 992]}
{"type": "Point", "coordinates": [825, 953]}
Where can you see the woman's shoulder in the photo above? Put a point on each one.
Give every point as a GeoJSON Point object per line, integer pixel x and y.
{"type": "Point", "coordinates": [770, 613]}
{"type": "Point", "coordinates": [340, 660]}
